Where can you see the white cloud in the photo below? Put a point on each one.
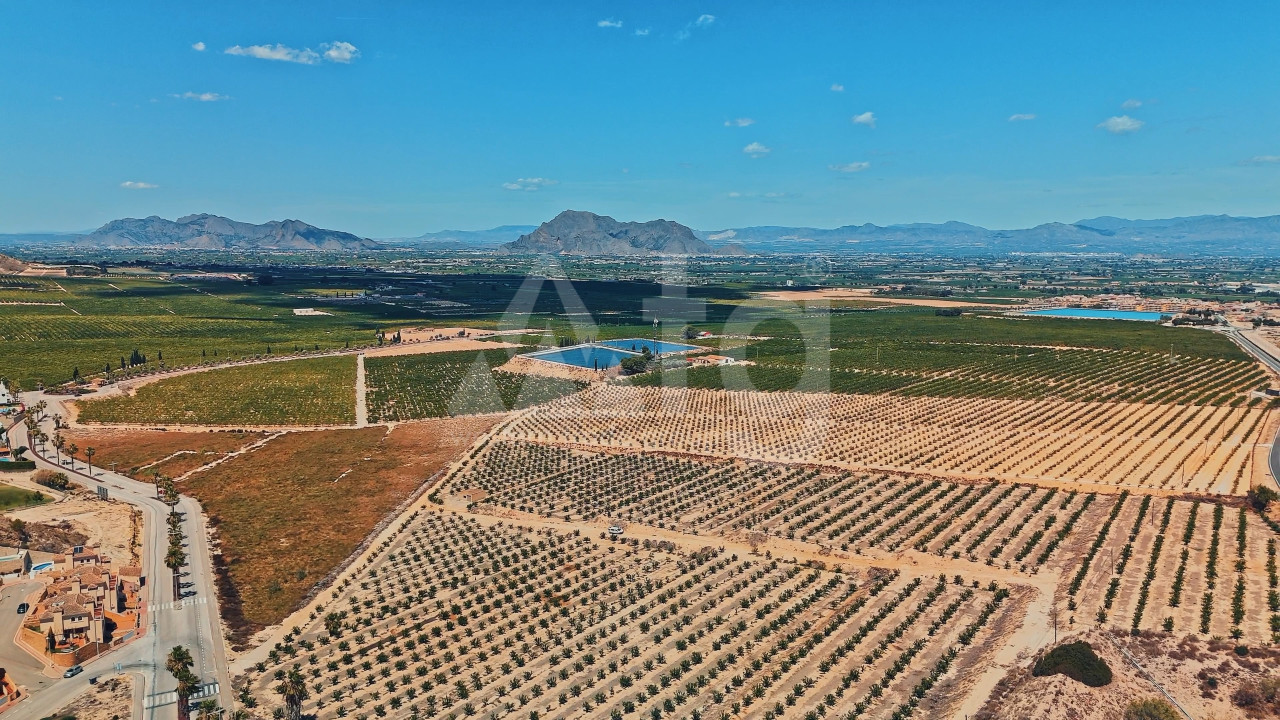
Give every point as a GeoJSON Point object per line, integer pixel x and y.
{"type": "Point", "coordinates": [1131, 104]}
{"type": "Point", "coordinates": [1121, 125]}
{"type": "Point", "coordinates": [609, 23]}
{"type": "Point", "coordinates": [135, 185]}
{"type": "Point", "coordinates": [867, 118]}
{"type": "Point", "coordinates": [276, 52]}
{"type": "Point", "coordinates": [202, 97]}
{"type": "Point", "coordinates": [340, 52]}
{"type": "Point", "coordinates": [641, 32]}
{"type": "Point", "coordinates": [852, 167]}
{"type": "Point", "coordinates": [837, 87]}
{"type": "Point", "coordinates": [1263, 160]}
{"type": "Point", "coordinates": [756, 150]}
{"type": "Point", "coordinates": [704, 20]}
{"type": "Point", "coordinates": [198, 47]}
{"type": "Point", "coordinates": [529, 184]}
{"type": "Point", "coordinates": [735, 194]}
{"type": "Point", "coordinates": [739, 122]}
{"type": "Point", "coordinates": [1022, 117]}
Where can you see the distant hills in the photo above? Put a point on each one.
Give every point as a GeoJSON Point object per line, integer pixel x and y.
{"type": "Point", "coordinates": [462, 239]}
{"type": "Point", "coordinates": [1204, 235]}
{"type": "Point", "coordinates": [575, 232]}
{"type": "Point", "coordinates": [213, 232]}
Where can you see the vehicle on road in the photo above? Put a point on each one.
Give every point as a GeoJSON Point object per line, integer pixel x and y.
{"type": "Point", "coordinates": [73, 671]}
{"type": "Point", "coordinates": [23, 608]}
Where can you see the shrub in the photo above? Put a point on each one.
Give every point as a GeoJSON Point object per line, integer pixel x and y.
{"type": "Point", "coordinates": [1152, 709]}
{"type": "Point", "coordinates": [1077, 661]}
{"type": "Point", "coordinates": [51, 479]}
{"type": "Point", "coordinates": [1261, 495]}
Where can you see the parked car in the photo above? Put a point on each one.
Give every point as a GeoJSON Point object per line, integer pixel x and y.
{"type": "Point", "coordinates": [23, 608]}
{"type": "Point", "coordinates": [73, 671]}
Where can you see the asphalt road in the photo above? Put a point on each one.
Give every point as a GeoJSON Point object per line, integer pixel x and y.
{"type": "Point", "coordinates": [1272, 362]}
{"type": "Point", "coordinates": [192, 623]}
{"type": "Point", "coordinates": [17, 663]}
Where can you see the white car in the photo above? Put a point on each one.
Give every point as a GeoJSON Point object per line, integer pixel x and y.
{"type": "Point", "coordinates": [614, 530]}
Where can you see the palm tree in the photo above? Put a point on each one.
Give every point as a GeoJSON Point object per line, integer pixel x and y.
{"type": "Point", "coordinates": [179, 663]}
{"type": "Point", "coordinates": [174, 560]}
{"type": "Point", "coordinates": [294, 690]}
{"type": "Point", "coordinates": [89, 453]}
{"type": "Point", "coordinates": [209, 709]}
{"type": "Point", "coordinates": [59, 442]}
{"type": "Point", "coordinates": [72, 450]}
{"type": "Point", "coordinates": [188, 684]}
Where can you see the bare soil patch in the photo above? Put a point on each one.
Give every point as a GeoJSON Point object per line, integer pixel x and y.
{"type": "Point", "coordinates": [109, 525]}
{"type": "Point", "coordinates": [110, 699]}
{"type": "Point", "coordinates": [140, 453]}
{"type": "Point", "coordinates": [867, 294]}
{"type": "Point", "coordinates": [288, 514]}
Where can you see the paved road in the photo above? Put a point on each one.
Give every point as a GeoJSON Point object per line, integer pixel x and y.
{"type": "Point", "coordinates": [192, 623]}
{"type": "Point", "coordinates": [1272, 362]}
{"type": "Point", "coordinates": [16, 662]}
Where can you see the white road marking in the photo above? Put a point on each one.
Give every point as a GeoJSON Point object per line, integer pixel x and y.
{"type": "Point", "coordinates": [176, 604]}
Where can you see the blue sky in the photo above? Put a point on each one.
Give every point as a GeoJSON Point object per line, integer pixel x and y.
{"type": "Point", "coordinates": [396, 118]}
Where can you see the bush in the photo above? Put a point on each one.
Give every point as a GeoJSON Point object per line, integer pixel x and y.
{"type": "Point", "coordinates": [1261, 495]}
{"type": "Point", "coordinates": [1077, 661]}
{"type": "Point", "coordinates": [1152, 709]}
{"type": "Point", "coordinates": [51, 479]}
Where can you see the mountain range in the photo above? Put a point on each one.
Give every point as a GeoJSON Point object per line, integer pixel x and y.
{"type": "Point", "coordinates": [1205, 235]}
{"type": "Point", "coordinates": [213, 232]}
{"type": "Point", "coordinates": [584, 233]}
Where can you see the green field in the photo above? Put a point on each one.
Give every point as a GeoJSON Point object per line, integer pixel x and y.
{"type": "Point", "coordinates": [315, 391]}
{"type": "Point", "coordinates": [916, 353]}
{"type": "Point", "coordinates": [15, 497]}
{"type": "Point", "coordinates": [408, 387]}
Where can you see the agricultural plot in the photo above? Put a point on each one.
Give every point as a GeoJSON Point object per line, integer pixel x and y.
{"type": "Point", "coordinates": [315, 391]}
{"type": "Point", "coordinates": [1002, 525]}
{"type": "Point", "coordinates": [1180, 566]}
{"type": "Point", "coordinates": [973, 370]}
{"type": "Point", "coordinates": [1216, 449]}
{"type": "Point", "coordinates": [290, 511]}
{"type": "Point", "coordinates": [407, 387]}
{"type": "Point", "coordinates": [454, 618]}
{"type": "Point", "coordinates": [142, 453]}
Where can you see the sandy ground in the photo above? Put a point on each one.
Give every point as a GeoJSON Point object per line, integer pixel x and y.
{"type": "Point", "coordinates": [1174, 663]}
{"type": "Point", "coordinates": [437, 346]}
{"type": "Point", "coordinates": [867, 294]}
{"type": "Point", "coordinates": [532, 366]}
{"type": "Point", "coordinates": [110, 525]}
{"type": "Point", "coordinates": [110, 699]}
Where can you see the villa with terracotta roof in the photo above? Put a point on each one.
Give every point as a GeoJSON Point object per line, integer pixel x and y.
{"type": "Point", "coordinates": [84, 602]}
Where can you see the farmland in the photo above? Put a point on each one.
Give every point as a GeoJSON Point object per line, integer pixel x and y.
{"type": "Point", "coordinates": [1163, 447]}
{"type": "Point", "coordinates": [289, 512]}
{"type": "Point", "coordinates": [315, 391]}
{"type": "Point", "coordinates": [454, 616]}
{"type": "Point", "coordinates": [980, 371]}
{"type": "Point", "coordinates": [1135, 561]}
{"type": "Point", "coordinates": [407, 387]}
